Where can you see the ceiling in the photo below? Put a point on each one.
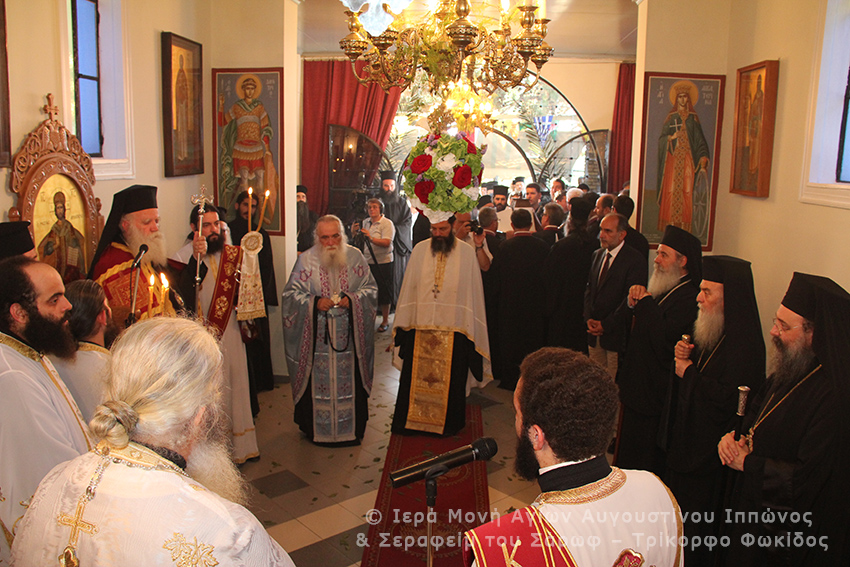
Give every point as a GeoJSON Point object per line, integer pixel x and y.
{"type": "Point", "coordinates": [579, 28]}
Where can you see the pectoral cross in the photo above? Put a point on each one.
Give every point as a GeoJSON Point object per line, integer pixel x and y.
{"type": "Point", "coordinates": [77, 524]}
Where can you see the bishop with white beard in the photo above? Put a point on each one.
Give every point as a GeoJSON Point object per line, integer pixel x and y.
{"type": "Point", "coordinates": [329, 306]}
{"type": "Point", "coordinates": [133, 221]}
{"type": "Point", "coordinates": [663, 312]}
{"type": "Point", "coordinates": [727, 352]}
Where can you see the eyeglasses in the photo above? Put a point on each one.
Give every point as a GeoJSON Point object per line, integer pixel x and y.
{"type": "Point", "coordinates": [782, 326]}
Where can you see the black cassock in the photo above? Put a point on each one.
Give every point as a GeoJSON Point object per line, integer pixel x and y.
{"type": "Point", "coordinates": [397, 209]}
{"type": "Point", "coordinates": [258, 350]}
{"type": "Point", "coordinates": [793, 470]}
{"type": "Point", "coordinates": [567, 267]}
{"type": "Point", "coordinates": [517, 286]}
{"type": "Point", "coordinates": [645, 379]}
{"type": "Point", "coordinates": [705, 411]}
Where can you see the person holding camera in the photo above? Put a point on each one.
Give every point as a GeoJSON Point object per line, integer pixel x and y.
{"type": "Point", "coordinates": [469, 231]}
{"type": "Point", "coordinates": [378, 232]}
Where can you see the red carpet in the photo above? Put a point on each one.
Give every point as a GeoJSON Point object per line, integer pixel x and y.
{"type": "Point", "coordinates": [399, 541]}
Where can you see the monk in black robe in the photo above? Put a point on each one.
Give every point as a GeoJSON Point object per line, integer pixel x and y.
{"type": "Point", "coordinates": [256, 332]}
{"type": "Point", "coordinates": [727, 352]}
{"type": "Point", "coordinates": [663, 312]}
{"type": "Point", "coordinates": [794, 455]}
{"type": "Point", "coordinates": [397, 209]}
{"type": "Point", "coordinates": [566, 269]}
{"type": "Point", "coordinates": [518, 279]}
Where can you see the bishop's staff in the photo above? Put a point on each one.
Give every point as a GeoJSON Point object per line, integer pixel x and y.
{"type": "Point", "coordinates": [743, 392]}
{"type": "Point", "coordinates": [201, 201]}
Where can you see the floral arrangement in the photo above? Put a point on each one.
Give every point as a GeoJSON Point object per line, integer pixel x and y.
{"type": "Point", "coordinates": [442, 175]}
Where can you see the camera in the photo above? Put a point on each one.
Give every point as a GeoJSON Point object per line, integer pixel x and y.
{"type": "Point", "coordinates": [475, 228]}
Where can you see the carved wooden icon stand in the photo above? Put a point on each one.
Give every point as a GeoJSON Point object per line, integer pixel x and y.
{"type": "Point", "coordinates": [51, 149]}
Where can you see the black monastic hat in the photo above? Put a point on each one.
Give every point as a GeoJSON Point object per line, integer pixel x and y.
{"type": "Point", "coordinates": [301, 189]}
{"type": "Point", "coordinates": [740, 309]}
{"type": "Point", "coordinates": [500, 190]}
{"type": "Point", "coordinates": [130, 200]}
{"type": "Point", "coordinates": [688, 245]}
{"type": "Point", "coordinates": [15, 238]}
{"type": "Point", "coordinates": [388, 174]}
{"type": "Point", "coordinates": [484, 200]}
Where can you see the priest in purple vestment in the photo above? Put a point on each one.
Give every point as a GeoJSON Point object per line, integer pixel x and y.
{"type": "Point", "coordinates": [329, 306]}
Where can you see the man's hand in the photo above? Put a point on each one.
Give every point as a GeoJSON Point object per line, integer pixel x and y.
{"type": "Point", "coordinates": [324, 304]}
{"type": "Point", "coordinates": [594, 327]}
{"type": "Point", "coordinates": [683, 357]}
{"type": "Point", "coordinates": [636, 293]}
{"type": "Point", "coordinates": [479, 238]}
{"type": "Point", "coordinates": [732, 453]}
{"type": "Point", "coordinates": [344, 303]}
{"type": "Point", "coordinates": [199, 245]}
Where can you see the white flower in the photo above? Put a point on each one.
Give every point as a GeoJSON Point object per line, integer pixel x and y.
{"type": "Point", "coordinates": [430, 151]}
{"type": "Point", "coordinates": [471, 192]}
{"type": "Point", "coordinates": [416, 203]}
{"type": "Point", "coordinates": [446, 163]}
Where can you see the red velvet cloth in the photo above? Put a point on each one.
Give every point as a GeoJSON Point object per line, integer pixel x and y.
{"type": "Point", "coordinates": [332, 95]}
{"type": "Point", "coordinates": [620, 164]}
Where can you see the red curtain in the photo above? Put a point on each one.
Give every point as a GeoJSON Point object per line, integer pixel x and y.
{"type": "Point", "coordinates": [332, 95]}
{"type": "Point", "coordinates": [620, 165]}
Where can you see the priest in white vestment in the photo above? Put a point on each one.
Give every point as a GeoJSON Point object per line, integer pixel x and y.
{"type": "Point", "coordinates": [588, 513]}
{"type": "Point", "coordinates": [40, 423]}
{"type": "Point", "coordinates": [93, 328]}
{"type": "Point", "coordinates": [440, 328]}
{"type": "Point", "coordinates": [159, 488]}
{"type": "Point", "coordinates": [215, 301]}
{"type": "Point", "coordinates": [329, 306]}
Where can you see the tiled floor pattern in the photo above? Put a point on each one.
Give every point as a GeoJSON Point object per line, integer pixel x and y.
{"type": "Point", "coordinates": [313, 499]}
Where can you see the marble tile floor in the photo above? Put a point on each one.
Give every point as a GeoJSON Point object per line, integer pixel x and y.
{"type": "Point", "coordinates": [313, 500]}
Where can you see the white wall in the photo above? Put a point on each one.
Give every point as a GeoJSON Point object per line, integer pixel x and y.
{"type": "Point", "coordinates": [231, 37]}
{"type": "Point", "coordinates": [779, 235]}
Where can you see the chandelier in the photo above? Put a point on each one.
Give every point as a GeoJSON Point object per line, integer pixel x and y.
{"type": "Point", "coordinates": [448, 47]}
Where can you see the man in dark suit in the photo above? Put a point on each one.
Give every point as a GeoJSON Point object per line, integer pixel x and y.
{"type": "Point", "coordinates": [603, 206]}
{"type": "Point", "coordinates": [551, 221]}
{"type": "Point", "coordinates": [488, 219]}
{"type": "Point", "coordinates": [624, 205]}
{"type": "Point", "coordinates": [663, 311]}
{"type": "Point", "coordinates": [615, 268]}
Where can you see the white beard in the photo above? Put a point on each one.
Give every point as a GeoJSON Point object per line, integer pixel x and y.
{"type": "Point", "coordinates": [708, 328]}
{"type": "Point", "coordinates": [156, 254]}
{"type": "Point", "coordinates": [332, 257]}
{"type": "Point", "coordinates": [661, 282]}
{"type": "Point", "coordinates": [210, 464]}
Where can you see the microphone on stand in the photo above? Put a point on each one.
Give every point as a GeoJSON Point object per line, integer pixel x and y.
{"type": "Point", "coordinates": [138, 259]}
{"type": "Point", "coordinates": [479, 450]}
{"type": "Point", "coordinates": [131, 318]}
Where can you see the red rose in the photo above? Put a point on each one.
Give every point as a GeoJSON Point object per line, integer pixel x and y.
{"type": "Point", "coordinates": [463, 175]}
{"type": "Point", "coordinates": [423, 189]}
{"type": "Point", "coordinates": [421, 164]}
{"type": "Point", "coordinates": [470, 147]}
